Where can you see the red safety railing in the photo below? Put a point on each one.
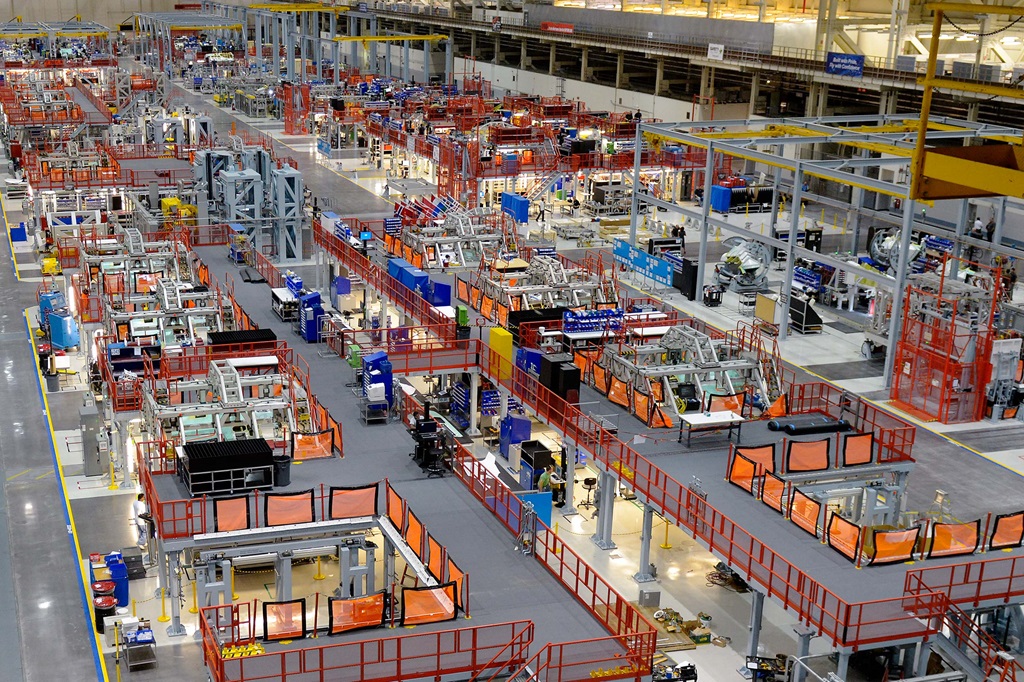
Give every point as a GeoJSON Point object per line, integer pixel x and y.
{"type": "Point", "coordinates": [267, 270]}
{"type": "Point", "coordinates": [983, 581]}
{"type": "Point", "coordinates": [411, 350]}
{"type": "Point", "coordinates": [422, 655]}
{"type": "Point", "coordinates": [195, 361]}
{"type": "Point", "coordinates": [605, 658]}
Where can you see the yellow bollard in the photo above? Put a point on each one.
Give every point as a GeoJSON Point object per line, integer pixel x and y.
{"type": "Point", "coordinates": [163, 606]}
{"type": "Point", "coordinates": [133, 608]}
{"type": "Point", "coordinates": [558, 550]}
{"type": "Point", "coordinates": [319, 574]}
{"type": "Point", "coordinates": [234, 596]}
{"type": "Point", "coordinates": [822, 216]}
{"type": "Point", "coordinates": [844, 224]}
{"type": "Point", "coordinates": [195, 599]}
{"type": "Point", "coordinates": [113, 481]}
{"type": "Point", "coordinates": [665, 544]}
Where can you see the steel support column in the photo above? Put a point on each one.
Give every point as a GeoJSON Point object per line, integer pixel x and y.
{"type": "Point", "coordinates": [794, 228]}
{"type": "Point", "coordinates": [705, 211]}
{"type": "Point", "coordinates": [754, 627]}
{"type": "Point", "coordinates": [899, 291]}
{"type": "Point", "coordinates": [961, 230]}
{"type": "Point", "coordinates": [605, 502]}
{"type": "Point", "coordinates": [804, 635]}
{"type": "Point", "coordinates": [474, 407]}
{"type": "Point", "coordinates": [175, 629]}
{"type": "Point", "coordinates": [644, 573]}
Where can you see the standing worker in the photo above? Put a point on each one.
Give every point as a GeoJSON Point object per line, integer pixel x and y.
{"type": "Point", "coordinates": [141, 519]}
{"type": "Point", "coordinates": [541, 211]}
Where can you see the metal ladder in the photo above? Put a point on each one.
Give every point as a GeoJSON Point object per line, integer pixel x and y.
{"type": "Point", "coordinates": [226, 381]}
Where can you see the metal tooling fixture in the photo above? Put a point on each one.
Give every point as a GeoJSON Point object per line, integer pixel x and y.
{"type": "Point", "coordinates": [166, 308]}
{"type": "Point", "coordinates": [873, 493]}
{"type": "Point", "coordinates": [242, 196]}
{"type": "Point", "coordinates": [465, 235]}
{"type": "Point", "coordinates": [286, 206]}
{"type": "Point", "coordinates": [683, 355]}
{"type": "Point", "coordinates": [547, 283]}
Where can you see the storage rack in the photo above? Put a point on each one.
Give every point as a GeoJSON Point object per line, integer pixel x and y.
{"type": "Point", "coordinates": [592, 320]}
{"type": "Point", "coordinates": [459, 405]}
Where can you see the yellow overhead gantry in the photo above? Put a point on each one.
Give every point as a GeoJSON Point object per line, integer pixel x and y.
{"type": "Point", "coordinates": [964, 172]}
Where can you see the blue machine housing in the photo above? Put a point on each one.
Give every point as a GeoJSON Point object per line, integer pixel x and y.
{"type": "Point", "coordinates": [377, 370]}
{"type": "Point", "coordinates": [55, 316]}
{"type": "Point", "coordinates": [311, 311]}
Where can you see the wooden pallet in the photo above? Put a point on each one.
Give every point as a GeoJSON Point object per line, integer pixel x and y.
{"type": "Point", "coordinates": [667, 641]}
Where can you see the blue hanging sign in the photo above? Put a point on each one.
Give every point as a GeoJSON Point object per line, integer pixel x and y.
{"type": "Point", "coordinates": [839, 64]}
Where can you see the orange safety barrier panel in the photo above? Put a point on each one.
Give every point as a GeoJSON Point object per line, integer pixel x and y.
{"type": "Point", "coordinates": [284, 620]}
{"type": "Point", "coordinates": [843, 536]}
{"type": "Point", "coordinates": [726, 403]}
{"type": "Point", "coordinates": [657, 390]}
{"type": "Point", "coordinates": [145, 282]}
{"type": "Point", "coordinates": [641, 405]}
{"type": "Point", "coordinates": [762, 455]}
{"type": "Point", "coordinates": [456, 576]}
{"type": "Point", "coordinates": [773, 492]}
{"type": "Point", "coordinates": [618, 392]}
{"type": "Point", "coordinates": [435, 558]}
{"type": "Point", "coordinates": [659, 419]}
{"type": "Point", "coordinates": [954, 539]}
{"type": "Point", "coordinates": [894, 546]}
{"type": "Point", "coordinates": [777, 409]}
{"type": "Point", "coordinates": [486, 306]}
{"type": "Point", "coordinates": [600, 379]}
{"type": "Point", "coordinates": [231, 513]}
{"type": "Point", "coordinates": [1007, 531]}
{"type": "Point", "coordinates": [474, 297]}
{"type": "Point", "coordinates": [282, 509]}
{"type": "Point", "coordinates": [742, 472]}
{"type": "Point", "coordinates": [429, 604]}
{"type": "Point", "coordinates": [809, 455]}
{"type": "Point", "coordinates": [804, 511]}
{"type": "Point", "coordinates": [858, 448]}
{"type": "Point", "coordinates": [113, 284]}
{"type": "Point", "coordinates": [312, 445]}
{"type": "Point", "coordinates": [414, 534]}
{"type": "Point", "coordinates": [396, 509]}
{"type": "Point", "coordinates": [462, 290]}
{"type": "Point", "coordinates": [502, 315]}
{"type": "Point", "coordinates": [353, 503]}
{"type": "Point", "coordinates": [407, 252]}
{"type": "Point", "coordinates": [389, 243]}
{"type": "Point", "coordinates": [355, 614]}
{"type": "Point", "coordinates": [517, 303]}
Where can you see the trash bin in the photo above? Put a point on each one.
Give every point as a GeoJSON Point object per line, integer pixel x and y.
{"type": "Point", "coordinates": [282, 470]}
{"type": "Point", "coordinates": [104, 607]}
{"type": "Point", "coordinates": [103, 588]}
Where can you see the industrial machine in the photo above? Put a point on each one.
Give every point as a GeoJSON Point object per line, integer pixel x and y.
{"type": "Point", "coordinates": [744, 266]}
{"type": "Point", "coordinates": [57, 321]}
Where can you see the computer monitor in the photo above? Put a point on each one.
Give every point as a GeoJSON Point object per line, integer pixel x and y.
{"type": "Point", "coordinates": [365, 236]}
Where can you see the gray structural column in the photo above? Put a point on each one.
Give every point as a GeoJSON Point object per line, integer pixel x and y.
{"type": "Point", "coordinates": [389, 564]}
{"type": "Point", "coordinates": [644, 573]}
{"type": "Point", "coordinates": [924, 652]}
{"type": "Point", "coordinates": [896, 318]}
{"type": "Point", "coordinates": [426, 62]}
{"type": "Point", "coordinates": [705, 212]}
{"type": "Point", "coordinates": [405, 61]}
{"type": "Point", "coordinates": [552, 55]}
{"type": "Point", "coordinates": [634, 210]}
{"type": "Point", "coordinates": [474, 400]}
{"type": "Point", "coordinates": [659, 75]}
{"type": "Point", "coordinates": [755, 90]}
{"type": "Point", "coordinates": [804, 635]}
{"type": "Point", "coordinates": [584, 53]}
{"type": "Point", "coordinates": [569, 471]}
{"type": "Point", "coordinates": [794, 228]}
{"type": "Point", "coordinates": [756, 610]}
{"type": "Point", "coordinates": [283, 568]}
{"type": "Point", "coordinates": [605, 511]}
{"type": "Point", "coordinates": [449, 59]}
{"type": "Point", "coordinates": [843, 667]}
{"type": "Point", "coordinates": [175, 629]}
{"type": "Point", "coordinates": [856, 203]}
{"type": "Point", "coordinates": [961, 230]}
{"type": "Point", "coordinates": [1000, 216]}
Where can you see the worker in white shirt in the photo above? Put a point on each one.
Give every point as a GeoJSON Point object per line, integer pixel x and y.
{"type": "Point", "coordinates": [141, 518]}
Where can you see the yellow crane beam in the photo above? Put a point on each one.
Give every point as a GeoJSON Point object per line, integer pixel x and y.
{"type": "Point", "coordinates": [389, 39]}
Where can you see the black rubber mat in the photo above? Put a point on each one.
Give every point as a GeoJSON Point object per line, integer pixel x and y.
{"type": "Point", "coordinates": [844, 328]}
{"type": "Point", "coordinates": [992, 438]}
{"type": "Point", "coordinates": [849, 370]}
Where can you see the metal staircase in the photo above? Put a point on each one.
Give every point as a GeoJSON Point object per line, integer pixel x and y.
{"type": "Point", "coordinates": [226, 382]}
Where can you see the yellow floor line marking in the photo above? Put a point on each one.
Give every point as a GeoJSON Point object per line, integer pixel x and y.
{"type": "Point", "coordinates": [41, 476]}
{"type": "Point", "coordinates": [67, 501]}
{"type": "Point", "coordinates": [11, 478]}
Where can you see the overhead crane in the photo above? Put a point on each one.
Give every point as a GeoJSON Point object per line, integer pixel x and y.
{"type": "Point", "coordinates": [430, 37]}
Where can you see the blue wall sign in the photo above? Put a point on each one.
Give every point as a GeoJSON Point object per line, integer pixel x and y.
{"type": "Point", "coordinates": [647, 265]}
{"type": "Point", "coordinates": [839, 64]}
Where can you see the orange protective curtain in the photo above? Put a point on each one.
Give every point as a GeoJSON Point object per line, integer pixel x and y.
{"type": "Point", "coordinates": [355, 614]}
{"type": "Point", "coordinates": [773, 492]}
{"type": "Point", "coordinates": [807, 455]}
{"type": "Point", "coordinates": [474, 297]}
{"type": "Point", "coordinates": [618, 392]}
{"type": "Point", "coordinates": [502, 314]}
{"type": "Point", "coordinates": [657, 390]}
{"type": "Point", "coordinates": [894, 546]}
{"type": "Point", "coordinates": [114, 284]}
{"type": "Point", "coordinates": [600, 379]}
{"type": "Point", "coordinates": [858, 449]}
{"type": "Point", "coordinates": [231, 513]}
{"type": "Point", "coordinates": [396, 509]}
{"type": "Point", "coordinates": [352, 503]}
{"type": "Point", "coordinates": [762, 455]}
{"type": "Point", "coordinates": [742, 472]}
{"type": "Point", "coordinates": [777, 409]}
{"type": "Point", "coordinates": [284, 620]}
{"type": "Point", "coordinates": [456, 576]}
{"type": "Point", "coordinates": [660, 420]}
{"type": "Point", "coordinates": [486, 306]}
{"type": "Point", "coordinates": [317, 445]}
{"type": "Point", "coordinates": [282, 509]}
{"type": "Point", "coordinates": [407, 252]}
{"type": "Point", "coordinates": [843, 536]}
{"type": "Point", "coordinates": [414, 534]}
{"type": "Point", "coordinates": [726, 403]}
{"type": "Point", "coordinates": [641, 405]}
{"type": "Point", "coordinates": [804, 511]}
{"type": "Point", "coordinates": [954, 539]}
{"type": "Point", "coordinates": [435, 557]}
{"type": "Point", "coordinates": [429, 604]}
{"type": "Point", "coordinates": [462, 290]}
{"type": "Point", "coordinates": [517, 303]}
{"type": "Point", "coordinates": [1008, 531]}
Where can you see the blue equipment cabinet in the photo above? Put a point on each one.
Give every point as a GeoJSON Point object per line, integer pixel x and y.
{"type": "Point", "coordinates": [311, 312]}
{"type": "Point", "coordinates": [377, 370]}
{"type": "Point", "coordinates": [63, 330]}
